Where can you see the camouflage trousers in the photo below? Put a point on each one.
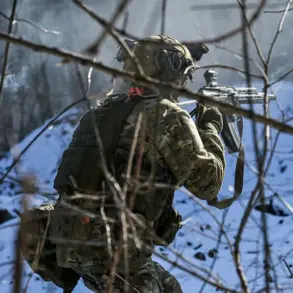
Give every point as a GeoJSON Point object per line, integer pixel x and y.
{"type": "Point", "coordinates": [150, 277]}
{"type": "Point", "coordinates": [86, 251]}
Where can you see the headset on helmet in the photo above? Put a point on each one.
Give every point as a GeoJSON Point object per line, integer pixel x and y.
{"type": "Point", "coordinates": [163, 57]}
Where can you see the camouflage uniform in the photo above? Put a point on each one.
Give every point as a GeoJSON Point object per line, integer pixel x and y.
{"type": "Point", "coordinates": [176, 152]}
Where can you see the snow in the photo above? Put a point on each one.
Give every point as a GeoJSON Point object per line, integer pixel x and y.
{"type": "Point", "coordinates": [201, 229]}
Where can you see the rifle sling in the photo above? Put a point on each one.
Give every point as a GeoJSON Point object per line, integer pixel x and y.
{"type": "Point", "coordinates": [120, 111]}
{"type": "Point", "coordinates": [238, 177]}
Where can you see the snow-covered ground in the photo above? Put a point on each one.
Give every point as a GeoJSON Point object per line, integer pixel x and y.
{"type": "Point", "coordinates": [198, 240]}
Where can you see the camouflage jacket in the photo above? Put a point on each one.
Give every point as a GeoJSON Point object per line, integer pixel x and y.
{"type": "Point", "coordinates": [170, 152]}
{"type": "Point", "coordinates": [194, 158]}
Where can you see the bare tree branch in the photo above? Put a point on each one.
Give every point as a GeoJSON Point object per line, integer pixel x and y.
{"type": "Point", "coordinates": [147, 81]}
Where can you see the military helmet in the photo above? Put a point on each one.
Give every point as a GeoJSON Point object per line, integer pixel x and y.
{"type": "Point", "coordinates": [160, 57]}
{"type": "Point", "coordinates": [164, 58]}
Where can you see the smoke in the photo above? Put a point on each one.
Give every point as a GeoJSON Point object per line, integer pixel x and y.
{"type": "Point", "coordinates": [14, 82]}
{"type": "Point", "coordinates": [78, 30]}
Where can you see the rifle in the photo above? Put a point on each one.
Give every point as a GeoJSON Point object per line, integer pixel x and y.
{"type": "Point", "coordinates": [234, 96]}
{"type": "Point", "coordinates": [231, 135]}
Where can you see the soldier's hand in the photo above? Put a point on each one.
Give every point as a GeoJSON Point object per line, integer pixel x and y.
{"type": "Point", "coordinates": [212, 201]}
{"type": "Point", "coordinates": [209, 117]}
{"type": "Point", "coordinates": [168, 225]}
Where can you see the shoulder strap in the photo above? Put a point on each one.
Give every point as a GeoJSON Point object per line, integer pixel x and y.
{"type": "Point", "coordinates": [114, 122]}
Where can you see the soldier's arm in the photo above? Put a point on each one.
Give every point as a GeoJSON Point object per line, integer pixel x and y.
{"type": "Point", "coordinates": [211, 168]}
{"type": "Point", "coordinates": [195, 157]}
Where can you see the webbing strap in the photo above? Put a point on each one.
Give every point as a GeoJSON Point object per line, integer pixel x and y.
{"type": "Point", "coordinates": [114, 123]}
{"type": "Point", "coordinates": [238, 177]}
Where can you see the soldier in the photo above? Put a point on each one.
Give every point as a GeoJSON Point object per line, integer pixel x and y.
{"type": "Point", "coordinates": [171, 151]}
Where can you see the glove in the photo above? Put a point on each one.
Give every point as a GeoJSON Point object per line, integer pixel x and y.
{"type": "Point", "coordinates": [209, 118]}
{"type": "Point", "coordinates": [168, 225]}
{"type": "Point", "coordinates": [212, 201]}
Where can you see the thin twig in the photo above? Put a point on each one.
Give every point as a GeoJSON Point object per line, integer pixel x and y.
{"type": "Point", "coordinates": [163, 16]}
{"type": "Point", "coordinates": [288, 267]}
{"type": "Point", "coordinates": [107, 228]}
{"type": "Point", "coordinates": [261, 164]}
{"type": "Point", "coordinates": [240, 57]}
{"type": "Point", "coordinates": [139, 160]}
{"type": "Point", "coordinates": [116, 259]}
{"type": "Point", "coordinates": [17, 159]}
{"type": "Point", "coordinates": [222, 37]}
{"type": "Point", "coordinates": [18, 263]}
{"type": "Point", "coordinates": [276, 11]}
{"type": "Point", "coordinates": [124, 200]}
{"type": "Point", "coordinates": [237, 256]}
{"type": "Point", "coordinates": [267, 259]}
{"type": "Point", "coordinates": [224, 6]}
{"type": "Point", "coordinates": [217, 247]}
{"type": "Point", "coordinates": [109, 28]}
{"type": "Point", "coordinates": [125, 21]}
{"type": "Point", "coordinates": [39, 251]}
{"type": "Point", "coordinates": [280, 27]}
{"type": "Point", "coordinates": [281, 77]}
{"type": "Point", "coordinates": [30, 23]}
{"type": "Point", "coordinates": [132, 152]}
{"type": "Point", "coordinates": [253, 18]}
{"type": "Point", "coordinates": [94, 48]}
{"type": "Point", "coordinates": [210, 212]}
{"type": "Point", "coordinates": [256, 44]}
{"type": "Point", "coordinates": [18, 248]}
{"type": "Point", "coordinates": [229, 68]}
{"type": "Point", "coordinates": [179, 266]}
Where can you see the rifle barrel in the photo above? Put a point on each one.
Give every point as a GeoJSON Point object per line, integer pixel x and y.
{"type": "Point", "coordinates": [254, 98]}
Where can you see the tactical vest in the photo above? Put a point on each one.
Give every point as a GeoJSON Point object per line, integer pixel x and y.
{"type": "Point", "coordinates": [80, 168]}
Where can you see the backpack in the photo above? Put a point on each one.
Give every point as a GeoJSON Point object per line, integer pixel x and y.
{"type": "Point", "coordinates": [39, 251]}
{"type": "Point", "coordinates": [80, 168]}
